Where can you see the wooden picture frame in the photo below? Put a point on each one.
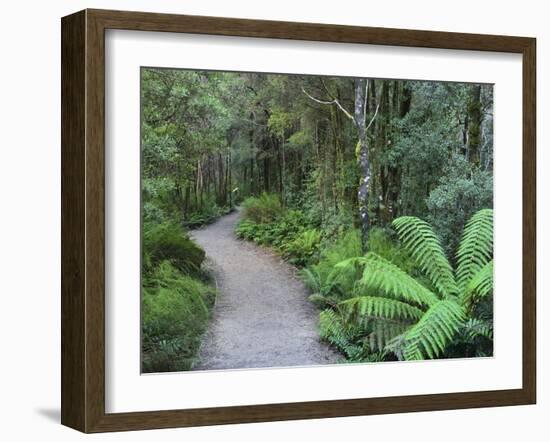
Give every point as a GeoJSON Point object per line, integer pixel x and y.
{"type": "Point", "coordinates": [83, 220]}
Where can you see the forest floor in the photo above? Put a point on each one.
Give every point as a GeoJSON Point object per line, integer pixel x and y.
{"type": "Point", "coordinates": [262, 316]}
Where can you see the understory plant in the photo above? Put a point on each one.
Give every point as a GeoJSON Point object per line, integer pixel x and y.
{"type": "Point", "coordinates": [289, 231]}
{"type": "Point", "coordinates": [176, 298]}
{"type": "Point", "coordinates": [438, 312]}
{"type": "Point", "coordinates": [175, 312]}
{"type": "Point", "coordinates": [263, 209]}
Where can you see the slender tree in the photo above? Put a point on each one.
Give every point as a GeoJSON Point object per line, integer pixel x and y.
{"type": "Point", "coordinates": [359, 119]}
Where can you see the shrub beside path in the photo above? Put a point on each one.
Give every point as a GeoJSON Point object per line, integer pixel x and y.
{"type": "Point", "coordinates": [262, 316]}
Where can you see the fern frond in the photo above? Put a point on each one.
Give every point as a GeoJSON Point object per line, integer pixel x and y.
{"type": "Point", "coordinates": [396, 345]}
{"type": "Point", "coordinates": [312, 279]}
{"type": "Point", "coordinates": [476, 247]}
{"type": "Point", "coordinates": [384, 332]}
{"type": "Point", "coordinates": [424, 246]}
{"type": "Point", "coordinates": [322, 301]}
{"type": "Point", "coordinates": [378, 356]}
{"type": "Point", "coordinates": [383, 276]}
{"type": "Point", "coordinates": [351, 263]}
{"type": "Point", "coordinates": [480, 285]}
{"type": "Point", "coordinates": [331, 328]}
{"type": "Point", "coordinates": [373, 306]}
{"type": "Point", "coordinates": [473, 328]}
{"type": "Point", "coordinates": [429, 337]}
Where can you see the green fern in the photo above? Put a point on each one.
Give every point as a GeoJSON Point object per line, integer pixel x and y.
{"type": "Point", "coordinates": [476, 248]}
{"type": "Point", "coordinates": [434, 331]}
{"type": "Point", "coordinates": [319, 283]}
{"type": "Point", "coordinates": [474, 328]}
{"type": "Point", "coordinates": [334, 330]}
{"type": "Point", "coordinates": [382, 276]}
{"type": "Point", "coordinates": [372, 306]}
{"type": "Point", "coordinates": [480, 285]}
{"type": "Point", "coordinates": [424, 246]}
{"type": "Point", "coordinates": [404, 317]}
{"type": "Point", "coordinates": [383, 331]}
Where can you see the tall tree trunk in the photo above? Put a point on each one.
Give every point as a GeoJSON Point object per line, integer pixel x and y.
{"type": "Point", "coordinates": [252, 187]}
{"type": "Point", "coordinates": [266, 174]}
{"type": "Point", "coordinates": [283, 168]}
{"type": "Point", "coordinates": [230, 178]}
{"type": "Point", "coordinates": [405, 99]}
{"type": "Point", "coordinates": [221, 176]}
{"type": "Point", "coordinates": [362, 155]}
{"type": "Point", "coordinates": [474, 124]}
{"type": "Point", "coordinates": [280, 168]}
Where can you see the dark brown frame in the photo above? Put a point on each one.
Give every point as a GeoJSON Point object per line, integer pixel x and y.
{"type": "Point", "coordinates": [83, 216]}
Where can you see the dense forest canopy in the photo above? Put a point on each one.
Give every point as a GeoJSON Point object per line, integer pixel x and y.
{"type": "Point", "coordinates": [345, 177]}
{"type": "Point", "coordinates": [212, 138]}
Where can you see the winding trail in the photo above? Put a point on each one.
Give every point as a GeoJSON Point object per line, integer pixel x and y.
{"type": "Point", "coordinates": [262, 317]}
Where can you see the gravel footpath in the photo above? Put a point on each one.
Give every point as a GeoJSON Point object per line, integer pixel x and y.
{"type": "Point", "coordinates": [262, 317]}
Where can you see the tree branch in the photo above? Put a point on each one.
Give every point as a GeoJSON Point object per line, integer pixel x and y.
{"type": "Point", "coordinates": [373, 117]}
{"type": "Point", "coordinates": [335, 101]}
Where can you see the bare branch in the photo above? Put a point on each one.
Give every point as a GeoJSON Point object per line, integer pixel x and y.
{"type": "Point", "coordinates": [343, 110]}
{"type": "Point", "coordinates": [335, 101]}
{"type": "Point", "coordinates": [326, 89]}
{"type": "Point", "coordinates": [374, 116]}
{"type": "Point", "coordinates": [316, 99]}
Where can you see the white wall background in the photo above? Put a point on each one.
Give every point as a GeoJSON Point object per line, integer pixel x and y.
{"type": "Point", "coordinates": [30, 217]}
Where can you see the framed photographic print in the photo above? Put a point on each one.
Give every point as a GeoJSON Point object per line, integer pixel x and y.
{"type": "Point", "coordinates": [267, 221]}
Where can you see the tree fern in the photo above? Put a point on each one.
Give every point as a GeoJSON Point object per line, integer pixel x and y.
{"type": "Point", "coordinates": [403, 317]}
{"type": "Point", "coordinates": [372, 306]}
{"type": "Point", "coordinates": [480, 286]}
{"type": "Point", "coordinates": [429, 337]}
{"type": "Point", "coordinates": [423, 244]}
{"type": "Point", "coordinates": [474, 328]}
{"type": "Point", "coordinates": [383, 331]}
{"type": "Point", "coordinates": [320, 283]}
{"type": "Point", "coordinates": [332, 328]}
{"type": "Point", "coordinates": [476, 247]}
{"type": "Point", "coordinates": [382, 276]}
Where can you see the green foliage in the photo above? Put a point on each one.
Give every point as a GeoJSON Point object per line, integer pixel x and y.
{"type": "Point", "coordinates": [379, 307]}
{"type": "Point", "coordinates": [303, 248]}
{"type": "Point", "coordinates": [175, 312]}
{"type": "Point", "coordinates": [480, 285]}
{"type": "Point", "coordinates": [382, 277]}
{"type": "Point", "coordinates": [446, 315]}
{"type": "Point", "coordinates": [323, 278]}
{"type": "Point", "coordinates": [424, 246]}
{"type": "Point", "coordinates": [209, 213]}
{"type": "Point", "coordinates": [288, 232]}
{"type": "Point", "coordinates": [176, 298]}
{"type": "Point", "coordinates": [346, 337]}
{"type": "Point", "coordinates": [461, 191]}
{"type": "Point", "coordinates": [434, 331]}
{"type": "Point", "coordinates": [476, 247]}
{"type": "Point", "coordinates": [213, 139]}
{"type": "Point", "coordinates": [263, 209]}
{"type": "Point", "coordinates": [168, 242]}
{"type": "Point", "coordinates": [383, 242]}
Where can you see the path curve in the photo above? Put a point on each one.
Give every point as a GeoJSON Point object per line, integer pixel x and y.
{"type": "Point", "coordinates": [262, 317]}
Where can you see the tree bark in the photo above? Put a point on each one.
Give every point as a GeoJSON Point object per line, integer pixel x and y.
{"type": "Point", "coordinates": [474, 125]}
{"type": "Point", "coordinates": [362, 155]}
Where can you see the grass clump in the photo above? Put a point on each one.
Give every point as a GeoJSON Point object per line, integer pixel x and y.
{"type": "Point", "coordinates": [176, 299]}
{"type": "Point", "coordinates": [175, 312]}
{"type": "Point", "coordinates": [168, 242]}
{"type": "Point", "coordinates": [263, 209]}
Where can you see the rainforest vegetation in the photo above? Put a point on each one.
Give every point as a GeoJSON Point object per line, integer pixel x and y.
{"type": "Point", "coordinates": [378, 191]}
